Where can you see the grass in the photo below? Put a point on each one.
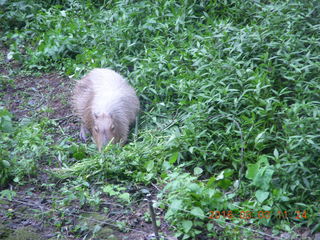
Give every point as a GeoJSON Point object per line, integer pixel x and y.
{"type": "Point", "coordinates": [229, 91]}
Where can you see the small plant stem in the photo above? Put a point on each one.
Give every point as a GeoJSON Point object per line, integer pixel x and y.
{"type": "Point", "coordinates": [153, 217]}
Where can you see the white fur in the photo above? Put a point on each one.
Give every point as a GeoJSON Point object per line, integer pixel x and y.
{"type": "Point", "coordinates": [108, 87]}
{"type": "Point", "coordinates": [103, 91]}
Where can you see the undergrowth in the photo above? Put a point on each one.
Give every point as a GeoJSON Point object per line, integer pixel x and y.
{"type": "Point", "coordinates": [24, 146]}
{"type": "Point", "coordinates": [229, 92]}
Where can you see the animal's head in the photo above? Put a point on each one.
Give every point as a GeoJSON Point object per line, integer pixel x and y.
{"type": "Point", "coordinates": [104, 129]}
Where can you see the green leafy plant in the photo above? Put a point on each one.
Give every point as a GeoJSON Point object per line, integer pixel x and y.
{"type": "Point", "coordinates": [117, 191]}
{"type": "Point", "coordinates": [22, 146]}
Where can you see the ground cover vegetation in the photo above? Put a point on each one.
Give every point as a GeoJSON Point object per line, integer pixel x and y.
{"type": "Point", "coordinates": [230, 100]}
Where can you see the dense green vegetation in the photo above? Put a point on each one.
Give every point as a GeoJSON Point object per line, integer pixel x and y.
{"type": "Point", "coordinates": [230, 95]}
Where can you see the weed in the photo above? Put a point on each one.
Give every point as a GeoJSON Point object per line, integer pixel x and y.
{"type": "Point", "coordinates": [22, 145]}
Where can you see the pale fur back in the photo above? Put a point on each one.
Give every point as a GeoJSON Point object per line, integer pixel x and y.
{"type": "Point", "coordinates": [105, 91]}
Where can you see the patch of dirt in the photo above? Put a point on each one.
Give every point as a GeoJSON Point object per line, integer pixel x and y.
{"type": "Point", "coordinates": [37, 94]}
{"type": "Point", "coordinates": [34, 210]}
{"type": "Point", "coordinates": [46, 95]}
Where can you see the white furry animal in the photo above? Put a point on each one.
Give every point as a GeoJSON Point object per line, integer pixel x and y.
{"type": "Point", "coordinates": [106, 105]}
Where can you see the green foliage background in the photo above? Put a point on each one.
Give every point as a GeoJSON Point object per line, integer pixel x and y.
{"type": "Point", "coordinates": [229, 89]}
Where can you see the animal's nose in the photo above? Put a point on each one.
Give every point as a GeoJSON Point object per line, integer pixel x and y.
{"type": "Point", "coordinates": [104, 141]}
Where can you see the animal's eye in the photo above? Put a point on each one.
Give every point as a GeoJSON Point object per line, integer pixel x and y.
{"type": "Point", "coordinates": [96, 129]}
{"type": "Point", "coordinates": [112, 127]}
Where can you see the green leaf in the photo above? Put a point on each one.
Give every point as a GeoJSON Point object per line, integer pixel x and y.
{"type": "Point", "coordinates": [197, 212]}
{"type": "Point", "coordinates": [16, 179]}
{"type": "Point", "coordinates": [187, 225]}
{"type": "Point", "coordinates": [225, 183]}
{"type": "Point", "coordinates": [228, 173]}
{"type": "Point", "coordinates": [6, 164]}
{"type": "Point", "coordinates": [197, 171]}
{"type": "Point", "coordinates": [252, 170]}
{"type": "Point", "coordinates": [9, 194]}
{"type": "Point", "coordinates": [316, 228]}
{"type": "Point", "coordinates": [176, 204]}
{"type": "Point", "coordinates": [174, 158]}
{"type": "Point", "coordinates": [125, 197]}
{"type": "Point", "coordinates": [194, 187]}
{"type": "Point", "coordinates": [109, 189]}
{"type": "Point", "coordinates": [79, 154]}
{"type": "Point", "coordinates": [261, 195]}
{"type": "Point", "coordinates": [220, 176]}
{"type": "Point", "coordinates": [210, 227]}
{"type": "Point", "coordinates": [211, 181]}
{"type": "Point", "coordinates": [63, 13]}
{"type": "Point", "coordinates": [149, 165]}
{"type": "Point", "coordinates": [6, 124]}
{"type": "Point", "coordinates": [276, 153]}
{"type": "Point", "coordinates": [263, 177]}
{"type": "Point", "coordinates": [166, 165]}
{"type": "Point", "coordinates": [259, 138]}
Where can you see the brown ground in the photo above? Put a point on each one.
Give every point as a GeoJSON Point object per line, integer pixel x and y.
{"type": "Point", "coordinates": [32, 214]}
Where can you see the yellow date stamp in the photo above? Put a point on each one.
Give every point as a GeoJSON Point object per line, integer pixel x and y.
{"type": "Point", "coordinates": [247, 215]}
